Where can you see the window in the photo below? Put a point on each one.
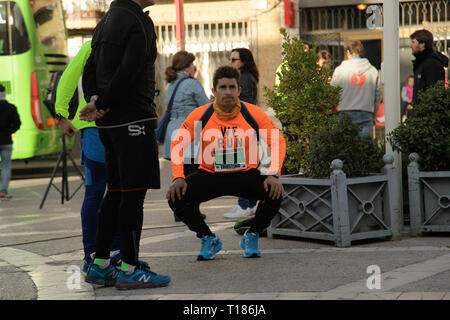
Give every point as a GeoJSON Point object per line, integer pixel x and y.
{"type": "Point", "coordinates": [13, 34]}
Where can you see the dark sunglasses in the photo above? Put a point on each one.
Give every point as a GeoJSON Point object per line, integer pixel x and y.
{"type": "Point", "coordinates": [235, 59]}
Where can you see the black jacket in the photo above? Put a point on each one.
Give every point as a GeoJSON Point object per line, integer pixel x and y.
{"type": "Point", "coordinates": [249, 87]}
{"type": "Point", "coordinates": [9, 121]}
{"type": "Point", "coordinates": [121, 67]}
{"type": "Point", "coordinates": [428, 69]}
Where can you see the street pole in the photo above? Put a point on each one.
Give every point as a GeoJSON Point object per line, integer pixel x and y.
{"type": "Point", "coordinates": [179, 26]}
{"type": "Point", "coordinates": [392, 99]}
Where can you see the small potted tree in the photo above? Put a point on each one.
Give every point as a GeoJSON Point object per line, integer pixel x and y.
{"type": "Point", "coordinates": [318, 204]}
{"type": "Point", "coordinates": [425, 137]}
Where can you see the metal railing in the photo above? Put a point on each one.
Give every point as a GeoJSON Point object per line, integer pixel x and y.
{"type": "Point", "coordinates": [339, 209]}
{"type": "Point", "coordinates": [429, 198]}
{"type": "Point", "coordinates": [325, 25]}
{"type": "Point", "coordinates": [435, 12]}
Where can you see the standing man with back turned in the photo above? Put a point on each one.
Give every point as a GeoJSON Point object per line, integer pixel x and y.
{"type": "Point", "coordinates": [119, 82]}
{"type": "Point", "coordinates": [242, 59]}
{"type": "Point", "coordinates": [9, 123]}
{"type": "Point", "coordinates": [92, 158]}
{"type": "Point", "coordinates": [361, 88]}
{"type": "Point", "coordinates": [428, 65]}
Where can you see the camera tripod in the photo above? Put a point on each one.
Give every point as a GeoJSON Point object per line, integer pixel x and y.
{"type": "Point", "coordinates": [64, 191]}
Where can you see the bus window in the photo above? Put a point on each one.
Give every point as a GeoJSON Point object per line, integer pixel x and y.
{"type": "Point", "coordinates": [13, 34]}
{"type": "Point", "coordinates": [48, 16]}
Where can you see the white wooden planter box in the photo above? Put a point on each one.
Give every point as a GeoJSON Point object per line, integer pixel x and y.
{"type": "Point", "coordinates": [339, 209]}
{"type": "Point", "coordinates": [429, 198]}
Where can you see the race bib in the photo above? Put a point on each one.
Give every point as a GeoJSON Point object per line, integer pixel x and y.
{"type": "Point", "coordinates": [227, 160]}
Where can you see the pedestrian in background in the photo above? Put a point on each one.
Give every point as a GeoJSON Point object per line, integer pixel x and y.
{"type": "Point", "coordinates": [119, 83]}
{"type": "Point", "coordinates": [242, 59]}
{"type": "Point", "coordinates": [429, 64]}
{"type": "Point", "coordinates": [407, 97]}
{"type": "Point", "coordinates": [324, 58]}
{"type": "Point", "coordinates": [361, 88]}
{"type": "Point", "coordinates": [186, 94]}
{"type": "Point", "coordinates": [9, 123]}
{"type": "Point", "coordinates": [189, 95]}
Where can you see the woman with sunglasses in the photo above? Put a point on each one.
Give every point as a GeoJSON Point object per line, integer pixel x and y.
{"type": "Point", "coordinates": [242, 59]}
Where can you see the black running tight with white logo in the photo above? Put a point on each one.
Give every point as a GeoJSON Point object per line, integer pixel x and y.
{"type": "Point", "coordinates": [204, 186]}
{"type": "Point", "coordinates": [125, 208]}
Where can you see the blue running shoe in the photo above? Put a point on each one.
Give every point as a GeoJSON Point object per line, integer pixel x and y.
{"type": "Point", "coordinates": [104, 277]}
{"type": "Point", "coordinates": [210, 246]}
{"type": "Point", "coordinates": [115, 260]}
{"type": "Point", "coordinates": [87, 263]}
{"type": "Point", "coordinates": [141, 279]}
{"type": "Point", "coordinates": [249, 243]}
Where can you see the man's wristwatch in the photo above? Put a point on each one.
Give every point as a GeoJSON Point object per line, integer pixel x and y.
{"type": "Point", "coordinates": [58, 116]}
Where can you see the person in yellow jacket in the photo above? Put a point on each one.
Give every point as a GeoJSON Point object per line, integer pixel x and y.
{"type": "Point", "coordinates": [227, 132]}
{"type": "Point", "coordinates": [92, 157]}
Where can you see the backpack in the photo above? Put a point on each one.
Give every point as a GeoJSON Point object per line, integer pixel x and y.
{"type": "Point", "coordinates": [263, 160]}
{"type": "Point", "coordinates": [244, 111]}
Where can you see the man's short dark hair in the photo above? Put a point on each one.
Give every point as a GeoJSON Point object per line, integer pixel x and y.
{"type": "Point", "coordinates": [356, 47]}
{"type": "Point", "coordinates": [423, 36]}
{"type": "Point", "coordinates": [226, 72]}
{"type": "Point", "coordinates": [2, 88]}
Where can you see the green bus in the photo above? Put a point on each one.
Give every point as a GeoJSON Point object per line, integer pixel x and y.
{"type": "Point", "coordinates": [33, 47]}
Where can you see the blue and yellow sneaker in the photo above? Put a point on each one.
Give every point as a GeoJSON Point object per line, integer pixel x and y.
{"type": "Point", "coordinates": [249, 243]}
{"type": "Point", "coordinates": [104, 277]}
{"type": "Point", "coordinates": [210, 246]}
{"type": "Point", "coordinates": [140, 279]}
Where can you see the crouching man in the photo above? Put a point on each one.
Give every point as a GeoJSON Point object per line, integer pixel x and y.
{"type": "Point", "coordinates": [227, 133]}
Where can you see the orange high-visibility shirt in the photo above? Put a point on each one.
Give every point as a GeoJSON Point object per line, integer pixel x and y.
{"type": "Point", "coordinates": [227, 138]}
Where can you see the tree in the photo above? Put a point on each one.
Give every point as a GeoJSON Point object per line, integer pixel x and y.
{"type": "Point", "coordinates": [315, 135]}
{"type": "Point", "coordinates": [428, 131]}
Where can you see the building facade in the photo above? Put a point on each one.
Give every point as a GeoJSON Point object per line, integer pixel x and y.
{"type": "Point", "coordinates": [333, 23]}
{"type": "Point", "coordinates": [212, 29]}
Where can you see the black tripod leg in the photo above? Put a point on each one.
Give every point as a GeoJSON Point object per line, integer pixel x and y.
{"type": "Point", "coordinates": [51, 180]}
{"type": "Point", "coordinates": [65, 182]}
{"type": "Point", "coordinates": [76, 167]}
{"type": "Point", "coordinates": [79, 173]}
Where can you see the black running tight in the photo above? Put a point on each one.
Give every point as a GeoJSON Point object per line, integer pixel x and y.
{"type": "Point", "coordinates": [204, 186]}
{"type": "Point", "coordinates": [125, 208]}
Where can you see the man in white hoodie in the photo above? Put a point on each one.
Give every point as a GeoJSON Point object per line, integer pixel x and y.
{"type": "Point", "coordinates": [361, 88]}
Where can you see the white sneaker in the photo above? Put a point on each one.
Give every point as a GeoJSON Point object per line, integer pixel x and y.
{"type": "Point", "coordinates": [238, 212]}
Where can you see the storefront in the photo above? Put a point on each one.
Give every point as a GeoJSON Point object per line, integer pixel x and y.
{"type": "Point", "coordinates": [331, 24]}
